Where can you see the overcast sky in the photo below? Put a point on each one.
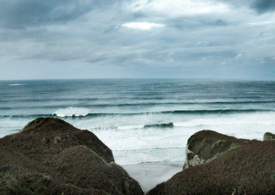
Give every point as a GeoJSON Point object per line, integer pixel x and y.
{"type": "Point", "coordinates": [58, 39]}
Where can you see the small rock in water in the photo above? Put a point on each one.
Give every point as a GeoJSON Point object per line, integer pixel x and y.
{"type": "Point", "coordinates": [162, 125]}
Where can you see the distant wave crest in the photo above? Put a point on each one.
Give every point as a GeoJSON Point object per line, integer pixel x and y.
{"type": "Point", "coordinates": [217, 111]}
{"type": "Point", "coordinates": [72, 112]}
{"type": "Point", "coordinates": [85, 113]}
{"type": "Point", "coordinates": [16, 84]}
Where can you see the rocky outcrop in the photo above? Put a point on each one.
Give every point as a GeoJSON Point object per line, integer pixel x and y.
{"type": "Point", "coordinates": [205, 146]}
{"type": "Point", "coordinates": [161, 125]}
{"type": "Point", "coordinates": [269, 136]}
{"type": "Point", "coordinates": [50, 156]}
{"type": "Point", "coordinates": [246, 167]}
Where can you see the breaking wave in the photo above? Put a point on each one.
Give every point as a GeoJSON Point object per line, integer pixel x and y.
{"type": "Point", "coordinates": [72, 112]}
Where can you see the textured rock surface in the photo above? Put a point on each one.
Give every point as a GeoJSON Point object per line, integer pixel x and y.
{"type": "Point", "coordinates": [207, 145]}
{"type": "Point", "coordinates": [50, 156]}
{"type": "Point", "coordinates": [247, 169]}
{"type": "Point", "coordinates": [269, 136]}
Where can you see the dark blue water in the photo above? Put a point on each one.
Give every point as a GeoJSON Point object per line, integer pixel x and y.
{"type": "Point", "coordinates": [117, 110]}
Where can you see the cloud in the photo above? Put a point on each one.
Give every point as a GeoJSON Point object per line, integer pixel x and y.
{"type": "Point", "coordinates": [176, 7]}
{"type": "Point", "coordinates": [29, 13]}
{"type": "Point", "coordinates": [260, 6]}
{"type": "Point", "coordinates": [136, 37]}
{"type": "Point", "coordinates": [142, 25]}
{"type": "Point", "coordinates": [239, 56]}
{"type": "Point", "coordinates": [263, 6]}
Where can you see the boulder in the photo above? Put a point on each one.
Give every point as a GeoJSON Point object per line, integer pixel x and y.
{"type": "Point", "coordinates": [249, 168]}
{"type": "Point", "coordinates": [50, 156]}
{"type": "Point", "coordinates": [204, 146]}
{"type": "Point", "coordinates": [269, 136]}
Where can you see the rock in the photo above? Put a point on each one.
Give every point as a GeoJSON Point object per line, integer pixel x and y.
{"type": "Point", "coordinates": [162, 125]}
{"type": "Point", "coordinates": [45, 137]}
{"type": "Point", "coordinates": [92, 170]}
{"type": "Point", "coordinates": [246, 169]}
{"type": "Point", "coordinates": [269, 136]}
{"type": "Point", "coordinates": [50, 156]}
{"type": "Point", "coordinates": [206, 145]}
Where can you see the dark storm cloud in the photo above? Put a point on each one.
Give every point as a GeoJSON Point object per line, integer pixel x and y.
{"type": "Point", "coordinates": [185, 22]}
{"type": "Point", "coordinates": [29, 13]}
{"type": "Point", "coordinates": [213, 35]}
{"type": "Point", "coordinates": [262, 6]}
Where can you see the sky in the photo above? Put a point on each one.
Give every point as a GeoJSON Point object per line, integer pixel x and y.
{"type": "Point", "coordinates": [72, 39]}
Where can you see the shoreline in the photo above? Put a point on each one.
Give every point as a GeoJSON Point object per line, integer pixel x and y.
{"type": "Point", "coordinates": [150, 174]}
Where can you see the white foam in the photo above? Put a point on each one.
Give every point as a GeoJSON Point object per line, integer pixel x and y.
{"type": "Point", "coordinates": [72, 111]}
{"type": "Point", "coordinates": [134, 144]}
{"type": "Point", "coordinates": [131, 143]}
{"type": "Point", "coordinates": [12, 125]}
{"type": "Point", "coordinates": [126, 157]}
{"type": "Point", "coordinates": [16, 84]}
{"type": "Point", "coordinates": [248, 126]}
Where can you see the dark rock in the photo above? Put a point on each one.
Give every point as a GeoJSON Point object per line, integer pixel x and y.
{"type": "Point", "coordinates": [162, 125]}
{"type": "Point", "coordinates": [50, 156]}
{"type": "Point", "coordinates": [246, 169]}
{"type": "Point", "coordinates": [44, 137]}
{"type": "Point", "coordinates": [207, 145]}
{"type": "Point", "coordinates": [269, 136]}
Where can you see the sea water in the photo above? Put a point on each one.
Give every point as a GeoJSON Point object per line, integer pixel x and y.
{"type": "Point", "coordinates": [118, 110]}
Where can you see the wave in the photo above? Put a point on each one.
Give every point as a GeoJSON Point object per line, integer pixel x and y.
{"type": "Point", "coordinates": [82, 109]}
{"type": "Point", "coordinates": [16, 84]}
{"type": "Point", "coordinates": [237, 102]}
{"type": "Point", "coordinates": [138, 104]}
{"type": "Point", "coordinates": [183, 112]}
{"type": "Point", "coordinates": [95, 102]}
{"type": "Point", "coordinates": [73, 112]}
{"type": "Point", "coordinates": [217, 111]}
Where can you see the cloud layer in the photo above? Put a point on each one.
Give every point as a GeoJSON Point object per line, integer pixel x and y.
{"type": "Point", "coordinates": [264, 6]}
{"type": "Point", "coordinates": [137, 38]}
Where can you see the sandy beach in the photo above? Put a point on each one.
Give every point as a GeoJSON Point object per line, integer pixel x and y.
{"type": "Point", "coordinates": [151, 174]}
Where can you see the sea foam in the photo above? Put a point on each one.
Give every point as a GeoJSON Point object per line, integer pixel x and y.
{"type": "Point", "coordinates": [117, 111]}
{"type": "Point", "coordinates": [16, 84]}
{"type": "Point", "coordinates": [71, 112]}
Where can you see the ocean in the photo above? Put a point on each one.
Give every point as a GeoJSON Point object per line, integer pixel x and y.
{"type": "Point", "coordinates": [143, 120]}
